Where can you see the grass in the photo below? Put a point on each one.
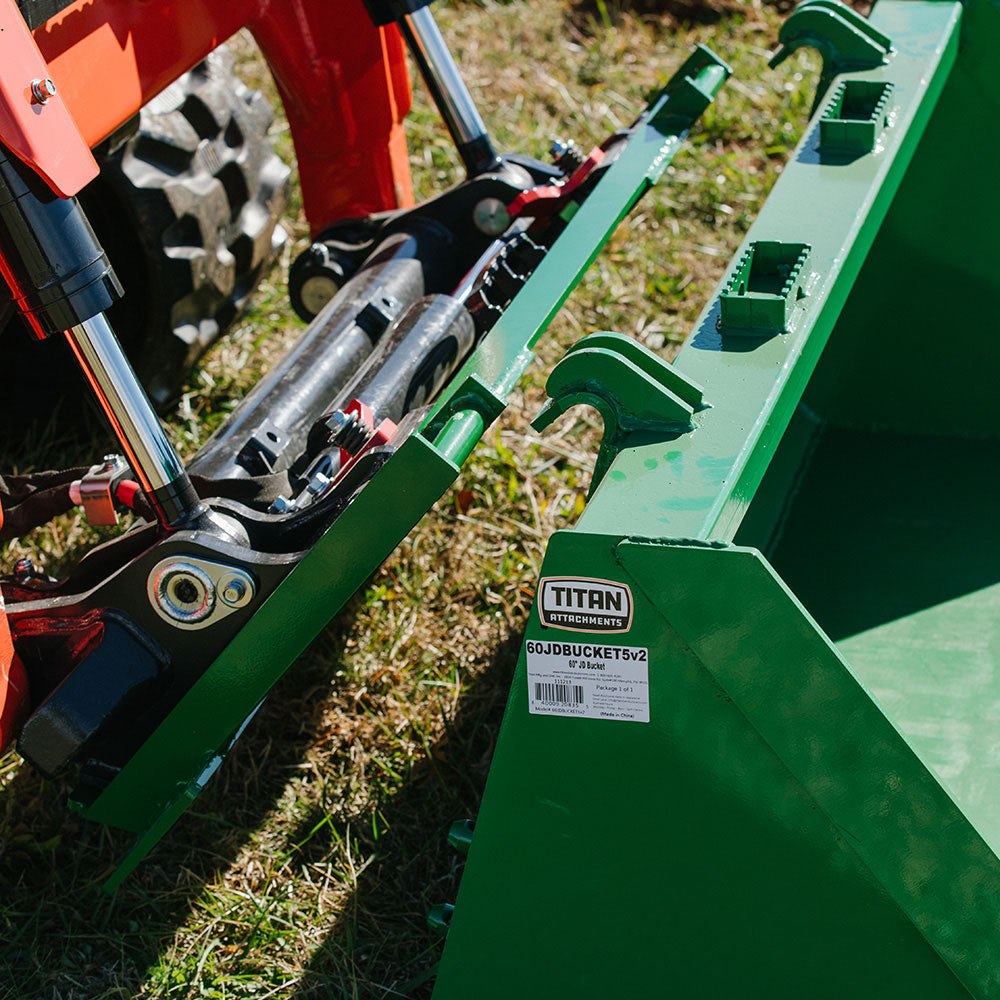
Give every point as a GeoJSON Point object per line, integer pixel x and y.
{"type": "Point", "coordinates": [309, 864]}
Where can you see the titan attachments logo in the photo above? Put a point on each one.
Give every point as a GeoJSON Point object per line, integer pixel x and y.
{"type": "Point", "coordinates": [579, 604]}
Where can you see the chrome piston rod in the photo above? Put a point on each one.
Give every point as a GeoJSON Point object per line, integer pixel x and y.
{"type": "Point", "coordinates": [156, 464]}
{"type": "Point", "coordinates": [448, 90]}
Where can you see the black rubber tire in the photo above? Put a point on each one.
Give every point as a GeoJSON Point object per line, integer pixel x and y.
{"type": "Point", "coordinates": [187, 210]}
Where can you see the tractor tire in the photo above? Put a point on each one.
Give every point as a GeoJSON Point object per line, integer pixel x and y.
{"type": "Point", "coordinates": [187, 210]}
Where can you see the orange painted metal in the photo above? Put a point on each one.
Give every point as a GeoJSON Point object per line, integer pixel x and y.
{"type": "Point", "coordinates": [37, 128]}
{"type": "Point", "coordinates": [343, 82]}
{"type": "Point", "coordinates": [13, 682]}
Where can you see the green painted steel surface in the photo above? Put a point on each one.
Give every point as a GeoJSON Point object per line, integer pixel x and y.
{"type": "Point", "coordinates": [903, 576]}
{"type": "Point", "coordinates": [636, 393]}
{"type": "Point", "coordinates": [766, 833]}
{"type": "Point", "coordinates": [700, 486]}
{"type": "Point", "coordinates": [812, 809]}
{"type": "Point", "coordinates": [171, 767]}
{"type": "Point", "coordinates": [173, 759]}
{"type": "Point", "coordinates": [505, 353]}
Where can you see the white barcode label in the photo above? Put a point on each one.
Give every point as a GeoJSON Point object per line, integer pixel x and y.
{"type": "Point", "coordinates": [588, 680]}
{"type": "Point", "coordinates": [562, 693]}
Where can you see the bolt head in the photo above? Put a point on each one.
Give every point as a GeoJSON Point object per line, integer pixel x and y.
{"type": "Point", "coordinates": [235, 591]}
{"type": "Point", "coordinates": [42, 90]}
{"type": "Point", "coordinates": [490, 216]}
{"type": "Point", "coordinates": [318, 482]}
{"type": "Point", "coordinates": [337, 421]}
{"type": "Point", "coordinates": [558, 148]}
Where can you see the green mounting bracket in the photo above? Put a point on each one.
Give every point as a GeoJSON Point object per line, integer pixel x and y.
{"type": "Point", "coordinates": [691, 89]}
{"type": "Point", "coordinates": [460, 835]}
{"type": "Point", "coordinates": [855, 117]}
{"type": "Point", "coordinates": [167, 771]}
{"type": "Point", "coordinates": [632, 389]}
{"type": "Point", "coordinates": [846, 41]}
{"type": "Point", "coordinates": [761, 294]}
{"type": "Point", "coordinates": [439, 917]}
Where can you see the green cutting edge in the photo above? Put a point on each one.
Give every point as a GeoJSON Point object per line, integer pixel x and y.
{"type": "Point", "coordinates": [169, 770]}
{"type": "Point", "coordinates": [752, 746]}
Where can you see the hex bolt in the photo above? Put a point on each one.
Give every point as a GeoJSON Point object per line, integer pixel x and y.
{"type": "Point", "coordinates": [42, 90]}
{"type": "Point", "coordinates": [565, 155]}
{"type": "Point", "coordinates": [235, 591]}
{"type": "Point", "coordinates": [236, 588]}
{"type": "Point", "coordinates": [318, 483]}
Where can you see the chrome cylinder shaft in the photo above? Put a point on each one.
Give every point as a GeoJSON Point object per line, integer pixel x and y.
{"type": "Point", "coordinates": [156, 464]}
{"type": "Point", "coordinates": [448, 90]}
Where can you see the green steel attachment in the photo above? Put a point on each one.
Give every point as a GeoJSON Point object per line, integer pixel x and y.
{"type": "Point", "coordinates": [846, 41]}
{"type": "Point", "coordinates": [750, 748]}
{"type": "Point", "coordinates": [168, 771]}
{"type": "Point", "coordinates": [479, 392]}
{"type": "Point", "coordinates": [635, 392]}
{"type": "Point", "coordinates": [460, 835]}
{"type": "Point", "coordinates": [762, 294]}
{"type": "Point", "coordinates": [439, 917]}
{"type": "Point", "coordinates": [690, 90]}
{"type": "Point", "coordinates": [855, 117]}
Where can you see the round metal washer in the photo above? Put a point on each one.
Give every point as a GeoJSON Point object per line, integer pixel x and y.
{"type": "Point", "coordinates": [183, 591]}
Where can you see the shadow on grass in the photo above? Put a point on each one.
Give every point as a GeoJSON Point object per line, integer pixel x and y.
{"type": "Point", "coordinates": [381, 946]}
{"type": "Point", "coordinates": [63, 939]}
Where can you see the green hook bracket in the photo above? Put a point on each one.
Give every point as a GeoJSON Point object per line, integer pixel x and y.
{"type": "Point", "coordinates": [846, 41]}
{"type": "Point", "coordinates": [460, 835]}
{"type": "Point", "coordinates": [439, 917]}
{"type": "Point", "coordinates": [632, 389]}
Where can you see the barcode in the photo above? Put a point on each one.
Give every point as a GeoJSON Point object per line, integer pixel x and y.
{"type": "Point", "coordinates": [563, 693]}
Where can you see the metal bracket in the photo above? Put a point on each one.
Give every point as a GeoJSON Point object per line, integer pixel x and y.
{"type": "Point", "coordinates": [96, 491]}
{"type": "Point", "coordinates": [193, 593]}
{"type": "Point", "coordinates": [632, 389]}
{"type": "Point", "coordinates": [691, 89]}
{"type": "Point", "coordinates": [846, 41]}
